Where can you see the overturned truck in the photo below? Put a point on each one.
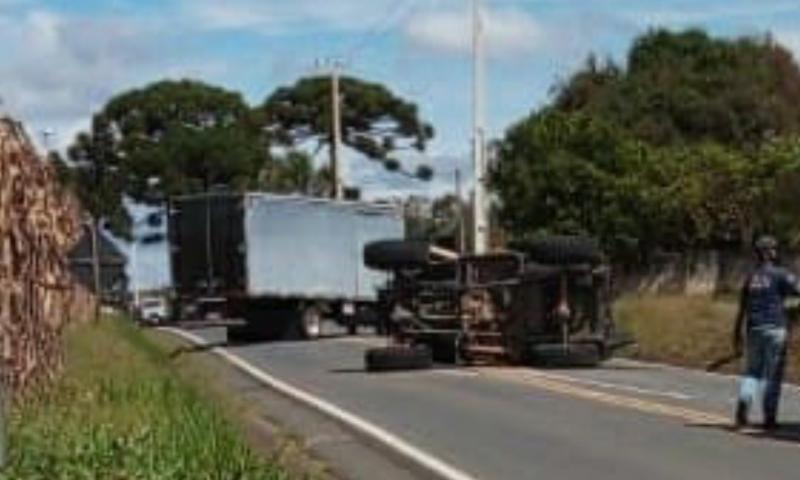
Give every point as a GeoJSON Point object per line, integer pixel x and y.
{"type": "Point", "coordinates": [548, 300]}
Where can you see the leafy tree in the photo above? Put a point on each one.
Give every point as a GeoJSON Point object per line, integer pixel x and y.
{"type": "Point", "coordinates": [694, 144]}
{"type": "Point", "coordinates": [375, 122]}
{"type": "Point", "coordinates": [776, 180]}
{"type": "Point", "coordinates": [185, 136]}
{"type": "Point", "coordinates": [550, 179]}
{"type": "Point", "coordinates": [567, 173]}
{"type": "Point", "coordinates": [294, 172]}
{"type": "Point", "coordinates": [94, 173]}
{"type": "Point", "coordinates": [688, 87]}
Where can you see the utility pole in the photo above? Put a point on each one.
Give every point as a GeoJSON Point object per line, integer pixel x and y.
{"type": "Point", "coordinates": [461, 233]}
{"type": "Point", "coordinates": [336, 131]}
{"type": "Point", "coordinates": [135, 268]}
{"type": "Point", "coordinates": [94, 226]}
{"type": "Point", "coordinates": [47, 134]}
{"type": "Point", "coordinates": [480, 228]}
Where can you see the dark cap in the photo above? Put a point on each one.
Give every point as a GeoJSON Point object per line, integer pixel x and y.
{"type": "Point", "coordinates": [766, 248]}
{"type": "Point", "coordinates": [765, 242]}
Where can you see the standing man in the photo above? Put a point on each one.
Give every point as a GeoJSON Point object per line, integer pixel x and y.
{"type": "Point", "coordinates": [763, 318]}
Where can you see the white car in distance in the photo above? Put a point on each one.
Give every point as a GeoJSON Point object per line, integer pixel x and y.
{"type": "Point", "coordinates": [152, 310]}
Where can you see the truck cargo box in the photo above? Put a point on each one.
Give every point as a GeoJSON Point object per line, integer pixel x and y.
{"type": "Point", "coordinates": [258, 245]}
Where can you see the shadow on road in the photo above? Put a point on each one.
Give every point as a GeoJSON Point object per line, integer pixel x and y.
{"type": "Point", "coordinates": [625, 368]}
{"type": "Point", "coordinates": [785, 432]}
{"type": "Point", "coordinates": [198, 348]}
{"type": "Point", "coordinates": [436, 368]}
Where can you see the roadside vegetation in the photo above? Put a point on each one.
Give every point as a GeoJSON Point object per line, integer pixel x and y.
{"type": "Point", "coordinates": [691, 331]}
{"type": "Point", "coordinates": [692, 143]}
{"type": "Point", "coordinates": [123, 411]}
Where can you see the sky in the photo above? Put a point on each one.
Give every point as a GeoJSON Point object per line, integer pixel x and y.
{"type": "Point", "coordinates": [63, 59]}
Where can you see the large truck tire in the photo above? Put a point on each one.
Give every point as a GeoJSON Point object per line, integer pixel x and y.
{"type": "Point", "coordinates": [250, 333]}
{"type": "Point", "coordinates": [310, 323]}
{"type": "Point", "coordinates": [574, 356]}
{"type": "Point", "coordinates": [302, 322]}
{"type": "Point", "coordinates": [443, 348]}
{"type": "Point", "coordinates": [238, 334]}
{"type": "Point", "coordinates": [396, 358]}
{"type": "Point", "coordinates": [396, 254]}
{"type": "Point", "coordinates": [561, 250]}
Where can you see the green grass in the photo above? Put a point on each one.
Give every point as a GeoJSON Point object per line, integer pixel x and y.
{"type": "Point", "coordinates": [123, 411]}
{"type": "Point", "coordinates": [691, 331]}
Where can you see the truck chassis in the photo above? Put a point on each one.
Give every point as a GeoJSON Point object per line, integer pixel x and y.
{"type": "Point", "coordinates": [510, 307]}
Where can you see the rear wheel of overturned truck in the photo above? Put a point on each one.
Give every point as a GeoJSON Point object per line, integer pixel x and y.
{"type": "Point", "coordinates": [569, 256]}
{"type": "Point", "coordinates": [398, 358]}
{"type": "Point", "coordinates": [561, 250]}
{"type": "Point", "coordinates": [570, 356]}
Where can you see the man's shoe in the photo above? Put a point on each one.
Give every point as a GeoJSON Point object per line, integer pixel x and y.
{"type": "Point", "coordinates": [770, 424]}
{"type": "Point", "coordinates": [741, 415]}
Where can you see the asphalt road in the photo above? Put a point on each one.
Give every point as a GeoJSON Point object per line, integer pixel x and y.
{"type": "Point", "coordinates": [623, 421]}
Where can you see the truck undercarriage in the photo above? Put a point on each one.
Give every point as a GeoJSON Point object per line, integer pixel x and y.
{"type": "Point", "coordinates": [511, 307]}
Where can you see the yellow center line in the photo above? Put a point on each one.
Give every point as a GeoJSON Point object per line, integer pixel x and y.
{"type": "Point", "coordinates": [546, 382]}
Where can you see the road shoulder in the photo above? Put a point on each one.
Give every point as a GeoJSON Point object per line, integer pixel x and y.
{"type": "Point", "coordinates": [306, 442]}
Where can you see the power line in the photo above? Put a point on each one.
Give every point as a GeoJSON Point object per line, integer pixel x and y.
{"type": "Point", "coordinates": [402, 11]}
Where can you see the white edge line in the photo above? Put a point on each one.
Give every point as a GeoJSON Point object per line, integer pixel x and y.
{"type": "Point", "coordinates": [388, 439]}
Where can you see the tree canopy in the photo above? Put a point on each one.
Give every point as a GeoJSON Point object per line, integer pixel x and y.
{"type": "Point", "coordinates": [184, 136]}
{"type": "Point", "coordinates": [375, 122]}
{"type": "Point", "coordinates": [177, 137]}
{"type": "Point", "coordinates": [688, 87]}
{"type": "Point", "coordinates": [95, 174]}
{"type": "Point", "coordinates": [694, 144]}
{"type": "Point", "coordinates": [294, 172]}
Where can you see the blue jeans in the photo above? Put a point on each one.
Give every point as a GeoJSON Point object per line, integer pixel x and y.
{"type": "Point", "coordinates": [766, 354]}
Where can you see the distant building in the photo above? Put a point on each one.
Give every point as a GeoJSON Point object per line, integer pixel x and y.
{"type": "Point", "coordinates": [113, 280]}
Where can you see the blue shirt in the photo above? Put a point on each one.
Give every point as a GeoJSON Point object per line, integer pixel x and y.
{"type": "Point", "coordinates": [765, 291]}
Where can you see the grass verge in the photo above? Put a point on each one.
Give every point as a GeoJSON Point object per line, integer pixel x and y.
{"type": "Point", "coordinates": [123, 411]}
{"type": "Point", "coordinates": [691, 331]}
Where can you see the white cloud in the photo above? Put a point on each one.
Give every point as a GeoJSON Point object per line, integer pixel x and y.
{"type": "Point", "coordinates": [789, 39]}
{"type": "Point", "coordinates": [297, 16]}
{"type": "Point", "coordinates": [698, 13]}
{"type": "Point", "coordinates": [68, 66]}
{"type": "Point", "coordinates": [508, 31]}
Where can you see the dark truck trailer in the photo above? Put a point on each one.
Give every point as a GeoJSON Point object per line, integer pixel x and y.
{"type": "Point", "coordinates": [277, 264]}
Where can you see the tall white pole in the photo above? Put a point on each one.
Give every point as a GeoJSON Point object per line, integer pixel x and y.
{"type": "Point", "coordinates": [459, 205]}
{"type": "Point", "coordinates": [336, 141]}
{"type": "Point", "coordinates": [480, 228]}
